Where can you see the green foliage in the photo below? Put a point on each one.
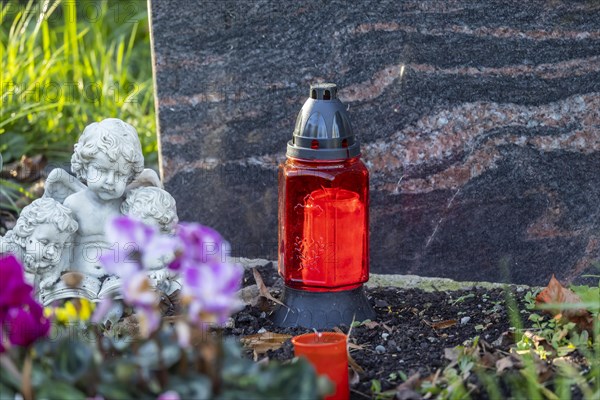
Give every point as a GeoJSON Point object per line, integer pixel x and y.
{"type": "Point", "coordinates": [356, 324]}
{"type": "Point", "coordinates": [246, 380]}
{"type": "Point", "coordinates": [463, 298]}
{"type": "Point", "coordinates": [378, 394]}
{"type": "Point", "coordinates": [590, 296]}
{"type": "Point", "coordinates": [547, 343]}
{"type": "Point", "coordinates": [538, 365]}
{"type": "Point", "coordinates": [10, 193]}
{"type": "Point", "coordinates": [88, 361]}
{"type": "Point", "coordinates": [67, 64]}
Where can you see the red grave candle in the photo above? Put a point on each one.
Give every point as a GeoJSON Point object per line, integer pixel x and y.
{"type": "Point", "coordinates": [327, 352]}
{"type": "Point", "coordinates": [323, 218]}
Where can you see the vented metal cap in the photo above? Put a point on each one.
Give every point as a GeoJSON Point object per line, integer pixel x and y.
{"type": "Point", "coordinates": [323, 130]}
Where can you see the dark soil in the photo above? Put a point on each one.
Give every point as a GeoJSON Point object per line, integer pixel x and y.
{"type": "Point", "coordinates": [407, 334]}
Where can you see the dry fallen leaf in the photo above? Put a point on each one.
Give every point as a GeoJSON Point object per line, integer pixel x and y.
{"type": "Point", "coordinates": [406, 390]}
{"type": "Point", "coordinates": [263, 289]}
{"type": "Point", "coordinates": [371, 324]}
{"type": "Point", "coordinates": [353, 377]}
{"type": "Point", "coordinates": [356, 369]}
{"type": "Point", "coordinates": [355, 346]}
{"type": "Point", "coordinates": [502, 364]}
{"type": "Point", "coordinates": [555, 294]}
{"type": "Point", "coordinates": [354, 365]}
{"type": "Point", "coordinates": [27, 169]}
{"type": "Point", "coordinates": [249, 295]}
{"type": "Point", "coordinates": [444, 324]}
{"type": "Point", "coordinates": [387, 328]}
{"type": "Point", "coordinates": [260, 343]}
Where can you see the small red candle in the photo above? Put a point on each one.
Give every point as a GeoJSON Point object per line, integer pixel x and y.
{"type": "Point", "coordinates": [327, 352]}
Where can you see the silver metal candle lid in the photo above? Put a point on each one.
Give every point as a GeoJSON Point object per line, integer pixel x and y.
{"type": "Point", "coordinates": [323, 130]}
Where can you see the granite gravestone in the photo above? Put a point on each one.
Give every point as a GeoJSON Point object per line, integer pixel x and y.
{"type": "Point", "coordinates": [480, 124]}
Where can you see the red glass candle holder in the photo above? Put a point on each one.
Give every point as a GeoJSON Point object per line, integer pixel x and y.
{"type": "Point", "coordinates": [327, 352]}
{"type": "Point", "coordinates": [323, 218]}
{"type": "Point", "coordinates": [324, 226]}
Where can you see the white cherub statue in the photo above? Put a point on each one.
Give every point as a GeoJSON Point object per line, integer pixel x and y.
{"type": "Point", "coordinates": [107, 157]}
{"type": "Point", "coordinates": [39, 238]}
{"type": "Point", "coordinates": [108, 160]}
{"type": "Point", "coordinates": [155, 206]}
{"type": "Point", "coordinates": [152, 205]}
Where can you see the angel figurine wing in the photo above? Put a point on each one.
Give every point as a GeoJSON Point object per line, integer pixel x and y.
{"type": "Point", "coordinates": [60, 185]}
{"type": "Point", "coordinates": [148, 177]}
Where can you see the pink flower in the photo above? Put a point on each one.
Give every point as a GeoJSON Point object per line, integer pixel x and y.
{"type": "Point", "coordinates": [26, 324]}
{"type": "Point", "coordinates": [201, 244]}
{"type": "Point", "coordinates": [138, 245]}
{"type": "Point", "coordinates": [20, 315]}
{"type": "Point", "coordinates": [169, 395]}
{"type": "Point", "coordinates": [138, 292]}
{"type": "Point", "coordinates": [198, 253]}
{"type": "Point", "coordinates": [209, 281]}
{"type": "Point", "coordinates": [14, 291]}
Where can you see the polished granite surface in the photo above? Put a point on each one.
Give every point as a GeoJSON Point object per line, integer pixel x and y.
{"type": "Point", "coordinates": [480, 124]}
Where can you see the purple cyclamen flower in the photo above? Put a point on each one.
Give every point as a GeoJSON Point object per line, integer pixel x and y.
{"type": "Point", "coordinates": [138, 292]}
{"type": "Point", "coordinates": [209, 282]}
{"type": "Point", "coordinates": [169, 395]}
{"type": "Point", "coordinates": [14, 291]}
{"type": "Point", "coordinates": [199, 254]}
{"type": "Point", "coordinates": [210, 290]}
{"type": "Point", "coordinates": [138, 245]}
{"type": "Point", "coordinates": [20, 315]}
{"type": "Point", "coordinates": [102, 309]}
{"type": "Point", "coordinates": [201, 244]}
{"type": "Point", "coordinates": [26, 324]}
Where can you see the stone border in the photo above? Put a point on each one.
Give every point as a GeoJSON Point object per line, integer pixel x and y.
{"type": "Point", "coordinates": [405, 281]}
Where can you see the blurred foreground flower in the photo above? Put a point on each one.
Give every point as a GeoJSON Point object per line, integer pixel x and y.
{"type": "Point", "coordinates": [139, 246]}
{"type": "Point", "coordinates": [197, 253]}
{"type": "Point", "coordinates": [71, 311]}
{"type": "Point", "coordinates": [21, 317]}
{"type": "Point", "coordinates": [209, 281]}
{"type": "Point", "coordinates": [170, 395]}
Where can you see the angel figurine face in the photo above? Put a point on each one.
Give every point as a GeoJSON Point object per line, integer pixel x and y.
{"type": "Point", "coordinates": [44, 246]}
{"type": "Point", "coordinates": [39, 236]}
{"type": "Point", "coordinates": [107, 157]}
{"type": "Point", "coordinates": [153, 206]}
{"type": "Point", "coordinates": [108, 178]}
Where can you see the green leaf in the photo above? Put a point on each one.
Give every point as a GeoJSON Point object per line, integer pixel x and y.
{"type": "Point", "coordinates": [274, 381]}
{"type": "Point", "coordinates": [191, 386]}
{"type": "Point", "coordinates": [375, 386]}
{"type": "Point", "coordinates": [74, 360]}
{"type": "Point", "coordinates": [149, 355]}
{"type": "Point", "coordinates": [125, 372]}
{"type": "Point", "coordinates": [12, 146]}
{"type": "Point", "coordinates": [6, 392]}
{"type": "Point", "coordinates": [114, 391]}
{"type": "Point", "coordinates": [535, 317]}
{"type": "Point", "coordinates": [589, 295]}
{"type": "Point", "coordinates": [403, 376]}
{"type": "Point", "coordinates": [57, 390]}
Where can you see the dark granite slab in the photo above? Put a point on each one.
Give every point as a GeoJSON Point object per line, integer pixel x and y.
{"type": "Point", "coordinates": [480, 123]}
